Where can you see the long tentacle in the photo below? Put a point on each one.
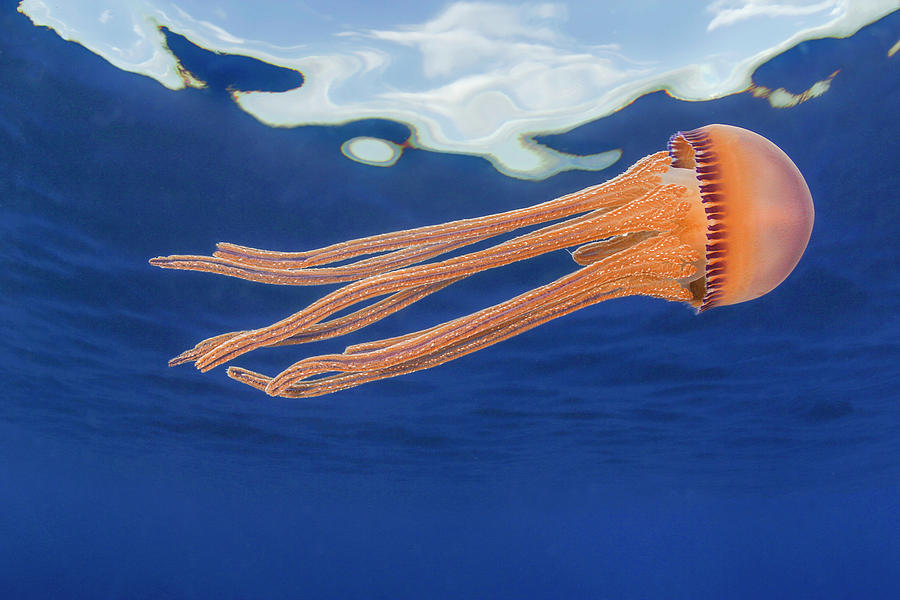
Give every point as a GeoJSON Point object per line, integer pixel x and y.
{"type": "Point", "coordinates": [317, 331]}
{"type": "Point", "coordinates": [328, 329]}
{"type": "Point", "coordinates": [409, 247]}
{"type": "Point", "coordinates": [340, 326]}
{"type": "Point", "coordinates": [343, 380]}
{"type": "Point", "coordinates": [355, 271]}
{"type": "Point", "coordinates": [655, 279]}
{"type": "Point", "coordinates": [310, 276]}
{"type": "Point", "coordinates": [668, 290]}
{"type": "Point", "coordinates": [658, 210]}
{"type": "Point", "coordinates": [638, 180]}
{"type": "Point", "coordinates": [664, 259]}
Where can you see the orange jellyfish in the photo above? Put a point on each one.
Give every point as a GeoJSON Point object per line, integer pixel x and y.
{"type": "Point", "coordinates": [722, 217]}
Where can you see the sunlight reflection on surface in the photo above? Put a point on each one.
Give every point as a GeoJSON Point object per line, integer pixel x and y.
{"type": "Point", "coordinates": [472, 78]}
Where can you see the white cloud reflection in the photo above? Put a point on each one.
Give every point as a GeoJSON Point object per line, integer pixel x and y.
{"type": "Point", "coordinates": [729, 12]}
{"type": "Point", "coordinates": [469, 77]}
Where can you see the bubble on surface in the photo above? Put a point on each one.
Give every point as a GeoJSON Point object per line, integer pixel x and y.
{"type": "Point", "coordinates": [372, 151]}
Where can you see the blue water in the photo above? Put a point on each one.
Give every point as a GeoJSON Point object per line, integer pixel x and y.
{"type": "Point", "coordinates": [631, 450]}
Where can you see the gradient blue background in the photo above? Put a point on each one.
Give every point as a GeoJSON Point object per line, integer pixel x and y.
{"type": "Point", "coordinates": [631, 450]}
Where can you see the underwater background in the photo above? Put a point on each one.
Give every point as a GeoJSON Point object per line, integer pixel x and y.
{"type": "Point", "coordinates": [629, 450]}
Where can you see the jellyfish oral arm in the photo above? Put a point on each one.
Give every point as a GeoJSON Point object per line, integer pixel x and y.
{"type": "Point", "coordinates": [630, 212]}
{"type": "Point", "coordinates": [659, 210]}
{"type": "Point", "coordinates": [603, 280]}
{"type": "Point", "coordinates": [403, 248]}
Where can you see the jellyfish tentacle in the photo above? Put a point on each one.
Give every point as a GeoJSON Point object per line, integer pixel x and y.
{"type": "Point", "coordinates": [656, 211]}
{"type": "Point", "coordinates": [325, 385]}
{"type": "Point", "coordinates": [407, 247]}
{"type": "Point", "coordinates": [545, 296]}
{"type": "Point", "coordinates": [364, 316]}
{"type": "Point", "coordinates": [251, 378]}
{"type": "Point", "coordinates": [520, 309]}
{"type": "Point", "coordinates": [638, 180]}
{"type": "Point", "coordinates": [192, 354]}
{"type": "Point", "coordinates": [333, 328]}
{"type": "Point", "coordinates": [209, 345]}
{"type": "Point", "coordinates": [397, 339]}
{"type": "Point", "coordinates": [594, 251]}
{"type": "Point", "coordinates": [301, 388]}
{"type": "Point", "coordinates": [222, 264]}
{"type": "Point", "coordinates": [328, 329]}
{"type": "Point", "coordinates": [627, 240]}
{"type": "Point", "coordinates": [309, 276]}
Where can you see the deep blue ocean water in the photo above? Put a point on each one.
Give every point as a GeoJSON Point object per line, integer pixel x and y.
{"type": "Point", "coordinates": [631, 450]}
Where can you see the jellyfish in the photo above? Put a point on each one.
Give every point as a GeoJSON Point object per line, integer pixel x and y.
{"type": "Point", "coordinates": [720, 217]}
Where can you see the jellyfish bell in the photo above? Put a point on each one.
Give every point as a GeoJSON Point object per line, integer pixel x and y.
{"type": "Point", "coordinates": [721, 217]}
{"type": "Point", "coordinates": [759, 212]}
